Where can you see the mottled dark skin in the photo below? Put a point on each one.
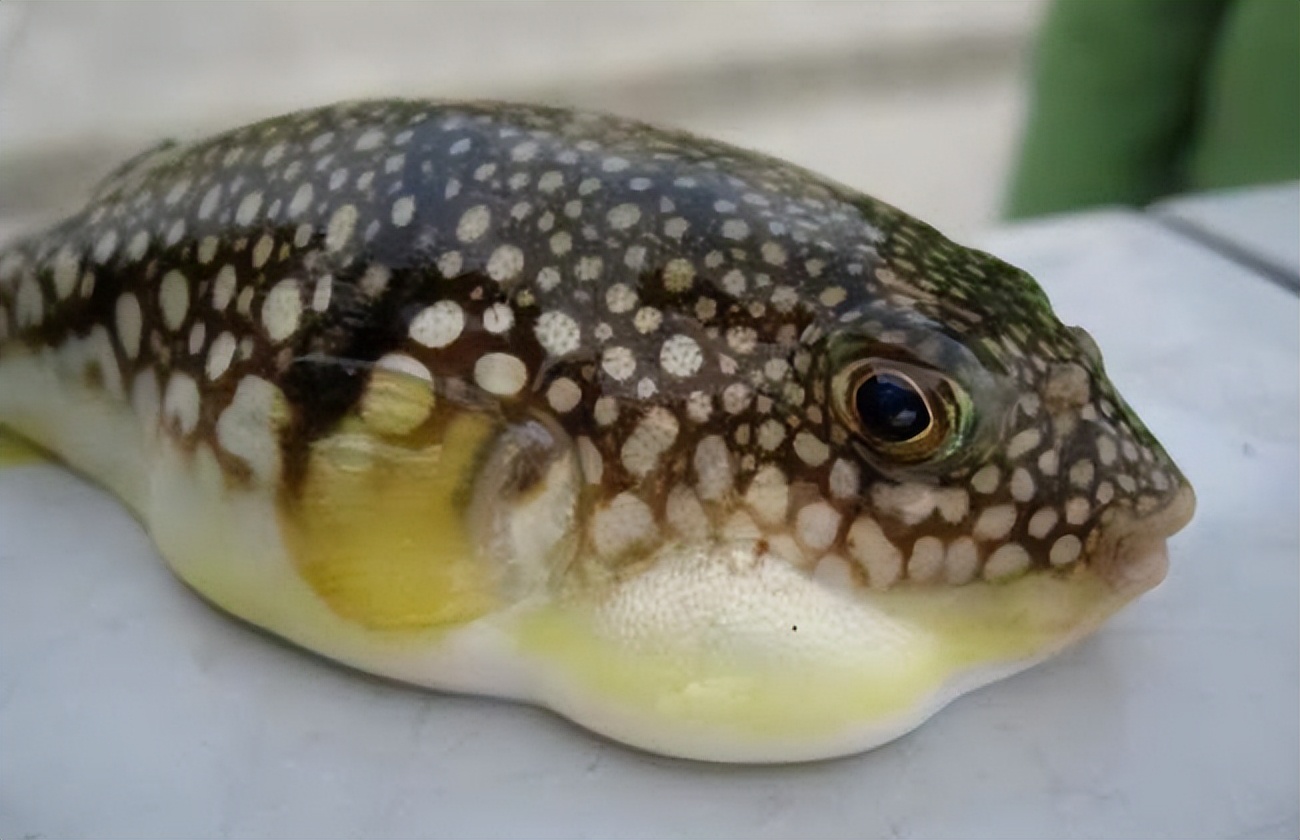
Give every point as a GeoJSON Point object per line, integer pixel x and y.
{"type": "Point", "coordinates": [664, 251]}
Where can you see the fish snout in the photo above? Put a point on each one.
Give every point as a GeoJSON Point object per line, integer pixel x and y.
{"type": "Point", "coordinates": [1130, 551]}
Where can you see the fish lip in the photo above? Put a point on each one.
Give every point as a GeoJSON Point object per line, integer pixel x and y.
{"type": "Point", "coordinates": [1132, 554]}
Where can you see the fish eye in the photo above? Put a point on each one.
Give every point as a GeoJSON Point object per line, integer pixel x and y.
{"type": "Point", "coordinates": [891, 407]}
{"type": "Point", "coordinates": [901, 411]}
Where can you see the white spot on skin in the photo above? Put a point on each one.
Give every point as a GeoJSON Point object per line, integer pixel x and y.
{"type": "Point", "coordinates": [735, 229]}
{"type": "Point", "coordinates": [371, 139]}
{"type": "Point", "coordinates": [699, 406]}
{"type": "Point", "coordinates": [647, 320]}
{"type": "Point", "coordinates": [619, 363]}
{"type": "Point", "coordinates": [262, 251]}
{"type": "Point", "coordinates": [771, 433]}
{"type": "Point", "coordinates": [605, 411]}
{"type": "Point", "coordinates": [1023, 442]}
{"type": "Point", "coordinates": [525, 151]}
{"type": "Point", "coordinates": [67, 268]}
{"type": "Point", "coordinates": [181, 403]}
{"type": "Point", "coordinates": [878, 557]}
{"type": "Point", "coordinates": [301, 200]}
{"type": "Point", "coordinates": [1042, 522]}
{"type": "Point", "coordinates": [589, 268]}
{"type": "Point", "coordinates": [620, 298]}
{"type": "Point", "coordinates": [135, 249]}
{"type": "Point", "coordinates": [473, 223]}
{"type": "Point", "coordinates": [501, 374]}
{"type": "Point", "coordinates": [773, 253]}
{"type": "Point", "coordinates": [340, 227]}
{"type": "Point", "coordinates": [174, 299]}
{"type": "Point", "coordinates": [743, 340]}
{"type": "Point", "coordinates": [558, 333]}
{"type": "Point", "coordinates": [506, 263]}
{"type": "Point", "coordinates": [1065, 550]}
{"type": "Point", "coordinates": [634, 257]}
{"type": "Point", "coordinates": [986, 480]}
{"type": "Point", "coordinates": [768, 495]}
{"type": "Point", "coordinates": [208, 249]}
{"type": "Point", "coordinates": [1077, 510]}
{"type": "Point", "coordinates": [623, 216]}
{"type": "Point", "coordinates": [403, 211]}
{"type": "Point", "coordinates": [548, 278]}
{"type": "Point", "coordinates": [249, 427]}
{"type": "Point", "coordinates": [375, 280]}
{"type": "Point", "coordinates": [625, 523]}
{"type": "Point", "coordinates": [712, 462]}
{"type": "Point", "coordinates": [220, 355]}
{"type": "Point", "coordinates": [1007, 561]}
{"type": "Point", "coordinates": [817, 524]}
{"type": "Point", "coordinates": [129, 321]}
{"type": "Point", "coordinates": [650, 439]}
{"type": "Point", "coordinates": [248, 207]}
{"type": "Point", "coordinates": [449, 264]}
{"type": "Point", "coordinates": [244, 303]}
{"type": "Point", "coordinates": [926, 562]}
{"type": "Point", "coordinates": [211, 199]}
{"type": "Point", "coordinates": [681, 356]}
{"type": "Point", "coordinates": [810, 449]}
{"type": "Point", "coordinates": [845, 479]}
{"type": "Point", "coordinates": [498, 318]}
{"type": "Point", "coordinates": [1049, 462]}
{"type": "Point", "coordinates": [1106, 451]}
{"type": "Point", "coordinates": [736, 397]}
{"type": "Point", "coordinates": [563, 395]}
{"type": "Point", "coordinates": [678, 275]}
{"type": "Point", "coordinates": [223, 287]}
{"type": "Point", "coordinates": [282, 310]}
{"type": "Point", "coordinates": [175, 232]}
{"type": "Point", "coordinates": [1022, 485]}
{"type": "Point", "coordinates": [438, 325]}
{"type": "Point", "coordinates": [961, 561]}
{"type": "Point", "coordinates": [105, 247]}
{"type": "Point", "coordinates": [995, 522]}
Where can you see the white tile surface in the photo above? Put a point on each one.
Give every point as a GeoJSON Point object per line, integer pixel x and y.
{"type": "Point", "coordinates": [1261, 222]}
{"type": "Point", "coordinates": [128, 708]}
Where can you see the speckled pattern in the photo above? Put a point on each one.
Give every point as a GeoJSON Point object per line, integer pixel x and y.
{"type": "Point", "coordinates": [686, 312]}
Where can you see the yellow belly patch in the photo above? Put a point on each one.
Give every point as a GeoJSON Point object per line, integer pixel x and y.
{"type": "Point", "coordinates": [377, 530]}
{"type": "Point", "coordinates": [15, 451]}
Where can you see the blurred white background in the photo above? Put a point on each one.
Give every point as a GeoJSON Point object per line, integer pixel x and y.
{"type": "Point", "coordinates": [918, 103]}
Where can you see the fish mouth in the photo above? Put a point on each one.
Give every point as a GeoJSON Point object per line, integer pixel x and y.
{"type": "Point", "coordinates": [1131, 554]}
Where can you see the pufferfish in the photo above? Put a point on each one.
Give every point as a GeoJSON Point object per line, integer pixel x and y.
{"type": "Point", "coordinates": [704, 452]}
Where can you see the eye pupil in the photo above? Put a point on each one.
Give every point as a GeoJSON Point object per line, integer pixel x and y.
{"type": "Point", "coordinates": [891, 408]}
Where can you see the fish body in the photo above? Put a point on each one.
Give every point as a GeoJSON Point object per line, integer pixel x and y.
{"type": "Point", "coordinates": [701, 450]}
